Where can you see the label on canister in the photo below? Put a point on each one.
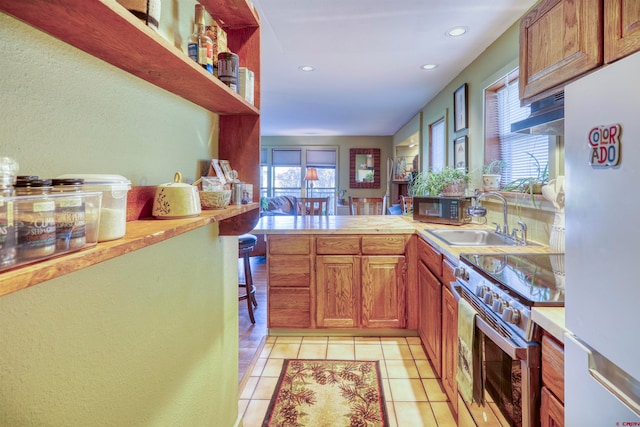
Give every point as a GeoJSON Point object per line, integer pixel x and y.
{"type": "Point", "coordinates": [228, 68]}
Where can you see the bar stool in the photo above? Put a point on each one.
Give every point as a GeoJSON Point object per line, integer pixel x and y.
{"type": "Point", "coordinates": [246, 242]}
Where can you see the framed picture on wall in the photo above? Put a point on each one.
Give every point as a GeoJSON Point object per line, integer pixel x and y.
{"type": "Point", "coordinates": [460, 152]}
{"type": "Point", "coordinates": [460, 108]}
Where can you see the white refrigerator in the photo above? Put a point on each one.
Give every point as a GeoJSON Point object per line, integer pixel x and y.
{"type": "Point", "coordinates": [602, 252]}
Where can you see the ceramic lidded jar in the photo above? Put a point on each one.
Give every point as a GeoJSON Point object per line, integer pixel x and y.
{"type": "Point", "coordinates": [175, 200]}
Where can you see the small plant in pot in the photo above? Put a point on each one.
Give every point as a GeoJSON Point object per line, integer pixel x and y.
{"type": "Point", "coordinates": [449, 182]}
{"type": "Point", "coordinates": [492, 174]}
{"type": "Point", "coordinates": [531, 184]}
{"type": "Point", "coordinates": [341, 200]}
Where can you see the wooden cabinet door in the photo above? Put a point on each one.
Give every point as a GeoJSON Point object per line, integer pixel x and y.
{"type": "Point", "coordinates": [430, 329]}
{"type": "Point", "coordinates": [559, 41]}
{"type": "Point", "coordinates": [621, 28]}
{"type": "Point", "coordinates": [551, 410]}
{"type": "Point", "coordinates": [553, 365]}
{"type": "Point", "coordinates": [383, 291]}
{"type": "Point", "coordinates": [449, 344]}
{"type": "Point", "coordinates": [338, 291]}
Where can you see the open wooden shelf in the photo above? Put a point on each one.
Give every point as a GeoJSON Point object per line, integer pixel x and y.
{"type": "Point", "coordinates": [106, 30]}
{"type": "Point", "coordinates": [140, 234]}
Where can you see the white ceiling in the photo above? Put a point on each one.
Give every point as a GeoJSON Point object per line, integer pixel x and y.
{"type": "Point", "coordinates": [367, 56]}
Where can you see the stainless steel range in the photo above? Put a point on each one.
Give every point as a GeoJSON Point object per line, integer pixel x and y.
{"type": "Point", "coordinates": [503, 288]}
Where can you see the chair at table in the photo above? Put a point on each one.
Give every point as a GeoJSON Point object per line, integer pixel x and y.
{"type": "Point", "coordinates": [313, 206]}
{"type": "Point", "coordinates": [367, 205]}
{"type": "Point", "coordinates": [407, 204]}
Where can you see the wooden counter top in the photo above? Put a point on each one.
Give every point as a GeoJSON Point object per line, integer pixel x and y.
{"type": "Point", "coordinates": [333, 224]}
{"type": "Point", "coordinates": [384, 224]}
{"type": "Point", "coordinates": [551, 319]}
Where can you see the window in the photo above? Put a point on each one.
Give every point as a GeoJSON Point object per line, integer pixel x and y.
{"type": "Point", "coordinates": [525, 156]}
{"type": "Point", "coordinates": [437, 145]}
{"type": "Point", "coordinates": [282, 172]}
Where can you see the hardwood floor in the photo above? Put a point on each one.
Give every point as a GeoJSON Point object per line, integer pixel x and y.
{"type": "Point", "coordinates": [252, 335]}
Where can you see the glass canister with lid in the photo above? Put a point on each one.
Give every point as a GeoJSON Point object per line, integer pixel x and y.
{"type": "Point", "coordinates": [69, 214]}
{"type": "Point", "coordinates": [35, 219]}
{"type": "Point", "coordinates": [8, 232]}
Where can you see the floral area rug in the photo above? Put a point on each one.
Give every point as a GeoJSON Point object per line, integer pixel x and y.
{"type": "Point", "coordinates": [327, 393]}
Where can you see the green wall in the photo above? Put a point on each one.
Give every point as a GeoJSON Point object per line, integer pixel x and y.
{"type": "Point", "coordinates": [499, 58]}
{"type": "Point", "coordinates": [149, 338]}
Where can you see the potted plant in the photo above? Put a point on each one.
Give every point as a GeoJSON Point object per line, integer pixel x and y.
{"type": "Point", "coordinates": [492, 174]}
{"type": "Point", "coordinates": [341, 193]}
{"type": "Point", "coordinates": [449, 182]}
{"type": "Point", "coordinates": [532, 184]}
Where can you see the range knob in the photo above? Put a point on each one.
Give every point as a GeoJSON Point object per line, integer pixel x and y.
{"type": "Point", "coordinates": [498, 305]}
{"type": "Point", "coordinates": [481, 291]}
{"type": "Point", "coordinates": [511, 315]}
{"type": "Point", "coordinates": [461, 273]}
{"type": "Point", "coordinates": [488, 297]}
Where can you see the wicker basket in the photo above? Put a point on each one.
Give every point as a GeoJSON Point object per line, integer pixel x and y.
{"type": "Point", "coordinates": [218, 199]}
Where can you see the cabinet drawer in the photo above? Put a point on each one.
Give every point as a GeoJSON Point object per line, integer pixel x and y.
{"type": "Point", "coordinates": [338, 245]}
{"type": "Point", "coordinates": [289, 245]}
{"type": "Point", "coordinates": [553, 366]}
{"type": "Point", "coordinates": [383, 245]}
{"type": "Point", "coordinates": [551, 410]}
{"type": "Point", "coordinates": [289, 308]}
{"type": "Point", "coordinates": [289, 270]}
{"type": "Point", "coordinates": [431, 257]}
{"type": "Point", "coordinates": [447, 272]}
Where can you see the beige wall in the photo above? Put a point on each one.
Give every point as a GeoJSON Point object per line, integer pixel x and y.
{"type": "Point", "coordinates": [343, 143]}
{"type": "Point", "coordinates": [149, 338]}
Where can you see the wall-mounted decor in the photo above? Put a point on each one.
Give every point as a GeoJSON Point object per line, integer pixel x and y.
{"type": "Point", "coordinates": [460, 108]}
{"type": "Point", "coordinates": [364, 168]}
{"type": "Point", "coordinates": [460, 152]}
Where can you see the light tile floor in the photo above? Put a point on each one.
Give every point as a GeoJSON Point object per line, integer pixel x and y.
{"type": "Point", "coordinates": [413, 392]}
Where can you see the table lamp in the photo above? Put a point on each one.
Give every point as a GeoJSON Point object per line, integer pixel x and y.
{"type": "Point", "coordinates": [312, 175]}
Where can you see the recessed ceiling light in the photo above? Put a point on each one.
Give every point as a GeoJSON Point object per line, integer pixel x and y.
{"type": "Point", "coordinates": [456, 31]}
{"type": "Point", "coordinates": [412, 145]}
{"type": "Point", "coordinates": [306, 68]}
{"type": "Point", "coordinates": [429, 66]}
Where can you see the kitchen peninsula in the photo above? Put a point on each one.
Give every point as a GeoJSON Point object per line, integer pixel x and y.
{"type": "Point", "coordinates": [313, 261]}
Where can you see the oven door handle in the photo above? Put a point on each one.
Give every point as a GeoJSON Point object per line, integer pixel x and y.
{"type": "Point", "coordinates": [516, 352]}
{"type": "Point", "coordinates": [516, 349]}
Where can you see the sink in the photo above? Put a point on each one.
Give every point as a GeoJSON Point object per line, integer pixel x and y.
{"type": "Point", "coordinates": [467, 237]}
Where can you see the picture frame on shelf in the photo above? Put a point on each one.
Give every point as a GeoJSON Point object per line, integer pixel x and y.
{"type": "Point", "coordinates": [215, 164]}
{"type": "Point", "coordinates": [228, 171]}
{"type": "Point", "coordinates": [460, 108]}
{"type": "Point", "coordinates": [460, 152]}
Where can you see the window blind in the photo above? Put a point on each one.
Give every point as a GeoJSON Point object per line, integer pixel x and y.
{"type": "Point", "coordinates": [280, 157]}
{"type": "Point", "coordinates": [524, 154]}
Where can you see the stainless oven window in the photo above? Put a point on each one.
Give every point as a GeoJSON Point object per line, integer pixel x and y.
{"type": "Point", "coordinates": [503, 382]}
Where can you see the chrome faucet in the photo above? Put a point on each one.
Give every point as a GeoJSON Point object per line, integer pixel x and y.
{"type": "Point", "coordinates": [476, 210]}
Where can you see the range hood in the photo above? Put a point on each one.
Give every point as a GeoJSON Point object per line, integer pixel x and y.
{"type": "Point", "coordinates": [546, 117]}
